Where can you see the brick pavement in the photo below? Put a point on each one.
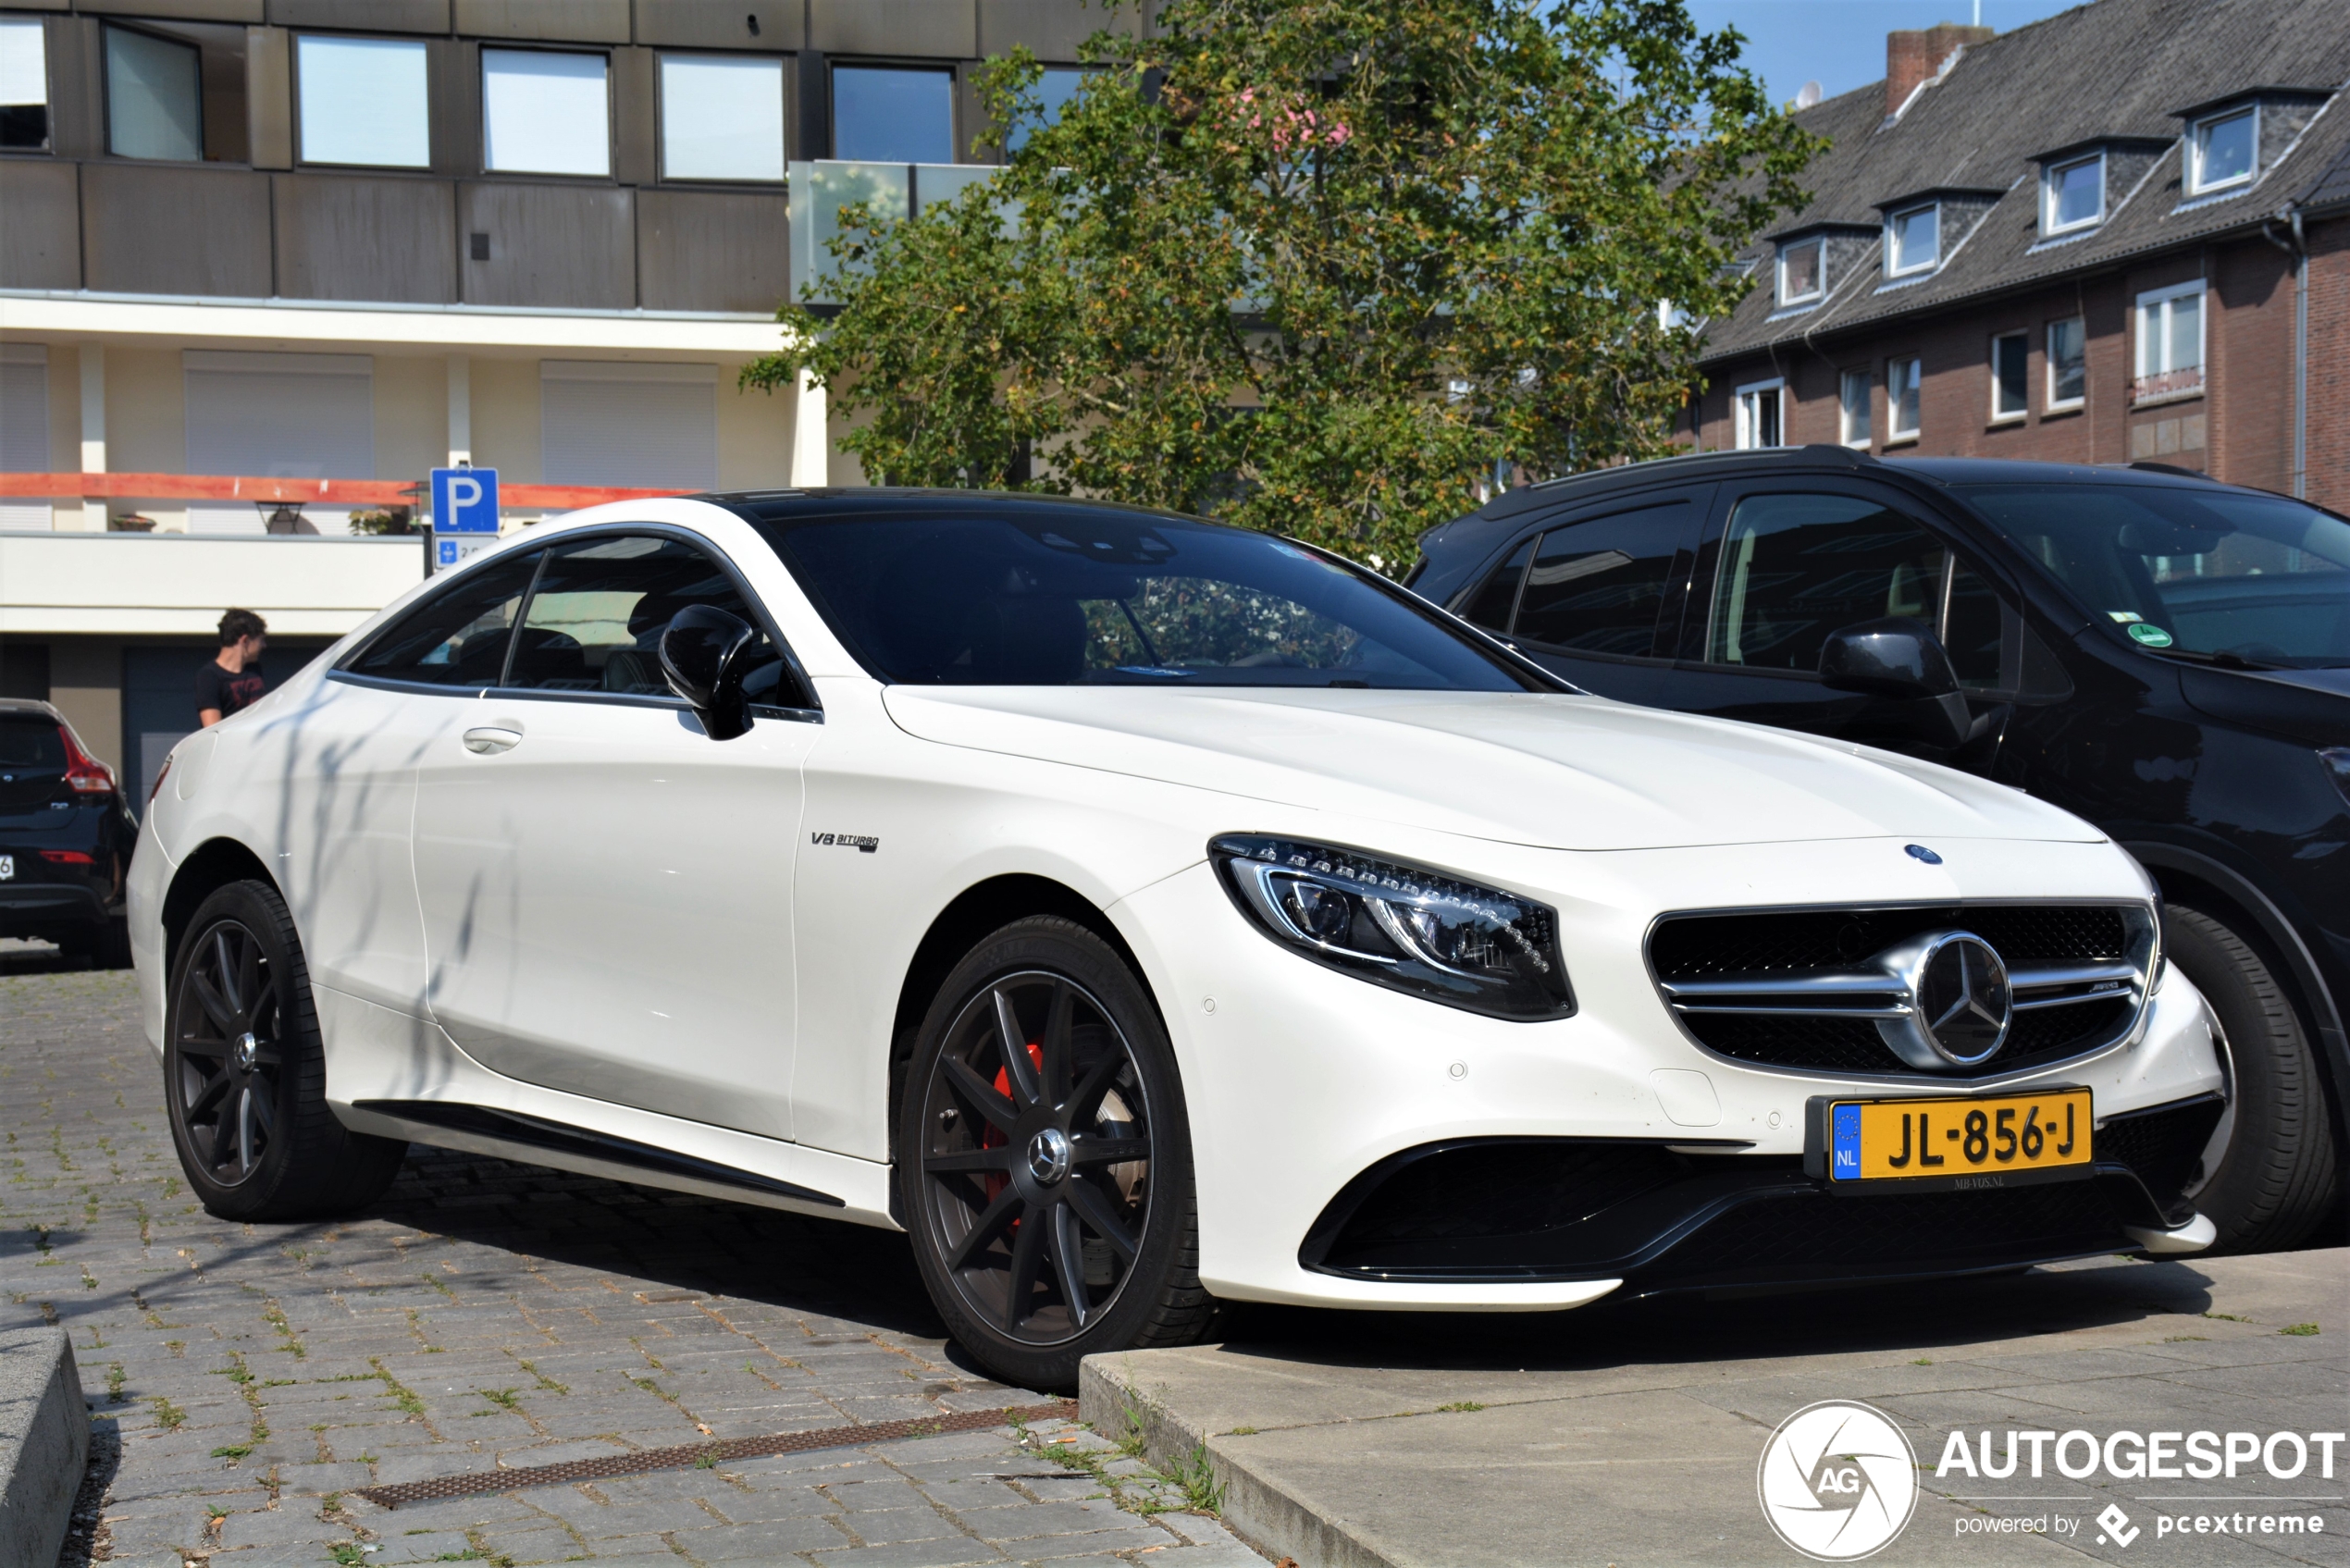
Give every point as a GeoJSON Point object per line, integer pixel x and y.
{"type": "Point", "coordinates": [245, 1379]}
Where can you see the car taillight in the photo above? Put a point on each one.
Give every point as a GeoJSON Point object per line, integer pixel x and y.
{"type": "Point", "coordinates": [67, 857]}
{"type": "Point", "coordinates": [84, 774]}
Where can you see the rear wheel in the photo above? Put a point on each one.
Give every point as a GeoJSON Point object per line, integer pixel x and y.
{"type": "Point", "coordinates": [246, 1077]}
{"type": "Point", "coordinates": [2268, 1177]}
{"type": "Point", "coordinates": [1045, 1160]}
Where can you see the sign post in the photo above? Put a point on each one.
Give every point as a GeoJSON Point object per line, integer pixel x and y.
{"type": "Point", "coordinates": [464, 513]}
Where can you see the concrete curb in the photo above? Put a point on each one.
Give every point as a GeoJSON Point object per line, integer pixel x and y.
{"type": "Point", "coordinates": [44, 1443]}
{"type": "Point", "coordinates": [1273, 1520]}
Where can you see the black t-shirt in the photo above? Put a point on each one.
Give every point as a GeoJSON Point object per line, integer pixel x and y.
{"type": "Point", "coordinates": [218, 688]}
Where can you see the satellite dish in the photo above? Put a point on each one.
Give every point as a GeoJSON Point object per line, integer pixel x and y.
{"type": "Point", "coordinates": [1808, 94]}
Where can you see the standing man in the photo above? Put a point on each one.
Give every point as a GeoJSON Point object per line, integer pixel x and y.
{"type": "Point", "coordinates": [233, 680]}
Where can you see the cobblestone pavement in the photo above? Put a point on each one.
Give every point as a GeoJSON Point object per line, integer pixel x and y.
{"type": "Point", "coordinates": [245, 1379]}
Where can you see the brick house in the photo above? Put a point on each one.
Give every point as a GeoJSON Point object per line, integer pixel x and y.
{"type": "Point", "coordinates": [2122, 234]}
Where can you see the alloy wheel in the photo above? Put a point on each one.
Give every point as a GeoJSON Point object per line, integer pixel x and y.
{"type": "Point", "coordinates": [227, 1055]}
{"type": "Point", "coordinates": [1036, 1157]}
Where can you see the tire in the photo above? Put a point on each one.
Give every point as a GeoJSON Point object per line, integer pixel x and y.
{"type": "Point", "coordinates": [1047, 1185]}
{"type": "Point", "coordinates": [2270, 1179]}
{"type": "Point", "coordinates": [245, 1076]}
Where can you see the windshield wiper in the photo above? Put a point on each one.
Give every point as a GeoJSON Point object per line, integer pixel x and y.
{"type": "Point", "coordinates": [2223, 659]}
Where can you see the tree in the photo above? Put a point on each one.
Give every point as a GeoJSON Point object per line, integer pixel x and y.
{"type": "Point", "coordinates": [1321, 266]}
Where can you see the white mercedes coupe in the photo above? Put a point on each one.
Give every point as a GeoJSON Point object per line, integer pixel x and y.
{"type": "Point", "coordinates": [1141, 914]}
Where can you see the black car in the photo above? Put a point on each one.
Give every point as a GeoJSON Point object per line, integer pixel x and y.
{"type": "Point", "coordinates": [2164, 655]}
{"type": "Point", "coordinates": [66, 837]}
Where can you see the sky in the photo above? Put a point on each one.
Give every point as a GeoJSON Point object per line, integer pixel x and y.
{"type": "Point", "coordinates": [1840, 43]}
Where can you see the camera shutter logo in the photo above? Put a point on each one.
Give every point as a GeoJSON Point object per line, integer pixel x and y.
{"type": "Point", "coordinates": [1838, 1481]}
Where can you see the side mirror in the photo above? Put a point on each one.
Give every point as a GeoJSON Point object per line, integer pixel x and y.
{"type": "Point", "coordinates": [704, 655]}
{"type": "Point", "coordinates": [1903, 661]}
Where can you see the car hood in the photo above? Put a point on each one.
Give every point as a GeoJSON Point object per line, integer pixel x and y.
{"type": "Point", "coordinates": [1563, 773]}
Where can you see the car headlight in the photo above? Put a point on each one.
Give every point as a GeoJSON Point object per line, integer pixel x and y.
{"type": "Point", "coordinates": [1405, 927]}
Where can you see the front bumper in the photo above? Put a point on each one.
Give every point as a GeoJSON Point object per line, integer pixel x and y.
{"type": "Point", "coordinates": [1303, 1085]}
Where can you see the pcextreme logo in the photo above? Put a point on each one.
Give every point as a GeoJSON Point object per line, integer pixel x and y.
{"type": "Point", "coordinates": [1838, 1481]}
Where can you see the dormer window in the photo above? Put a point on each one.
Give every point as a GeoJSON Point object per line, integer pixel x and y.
{"type": "Point", "coordinates": [1803, 271]}
{"type": "Point", "coordinates": [1914, 239]}
{"type": "Point", "coordinates": [2072, 195]}
{"type": "Point", "coordinates": [2223, 151]}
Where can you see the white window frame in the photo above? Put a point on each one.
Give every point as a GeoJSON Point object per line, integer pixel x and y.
{"type": "Point", "coordinates": [1892, 240]}
{"type": "Point", "coordinates": [2197, 134]}
{"type": "Point", "coordinates": [2009, 416]}
{"type": "Point", "coordinates": [2051, 182]}
{"type": "Point", "coordinates": [2151, 321]}
{"type": "Point", "coordinates": [1844, 423]}
{"type": "Point", "coordinates": [1742, 407]}
{"type": "Point", "coordinates": [1916, 363]}
{"type": "Point", "coordinates": [2050, 401]}
{"type": "Point", "coordinates": [1818, 246]}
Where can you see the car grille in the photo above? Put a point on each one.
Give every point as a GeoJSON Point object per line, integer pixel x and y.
{"type": "Point", "coordinates": [1536, 1208]}
{"type": "Point", "coordinates": [1806, 990]}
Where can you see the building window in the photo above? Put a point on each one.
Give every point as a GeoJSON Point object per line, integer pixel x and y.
{"type": "Point", "coordinates": [1800, 272]}
{"type": "Point", "coordinates": [721, 116]}
{"type": "Point", "coordinates": [154, 97]}
{"type": "Point", "coordinates": [2170, 342]}
{"type": "Point", "coordinates": [1852, 408]}
{"type": "Point", "coordinates": [1903, 379]}
{"type": "Point", "coordinates": [2010, 376]}
{"type": "Point", "coordinates": [1758, 416]}
{"type": "Point", "coordinates": [1054, 90]}
{"type": "Point", "coordinates": [893, 116]}
{"type": "Point", "coordinates": [1914, 239]}
{"type": "Point", "coordinates": [545, 113]}
{"type": "Point", "coordinates": [305, 416]}
{"type": "Point", "coordinates": [2072, 196]}
{"type": "Point", "coordinates": [609, 423]}
{"type": "Point", "coordinates": [364, 101]}
{"type": "Point", "coordinates": [24, 428]}
{"type": "Point", "coordinates": [2222, 150]}
{"type": "Point", "coordinates": [2067, 363]}
{"type": "Point", "coordinates": [24, 83]}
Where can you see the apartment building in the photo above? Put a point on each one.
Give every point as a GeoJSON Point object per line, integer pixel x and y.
{"type": "Point", "coordinates": [2122, 234]}
{"type": "Point", "coordinates": [264, 263]}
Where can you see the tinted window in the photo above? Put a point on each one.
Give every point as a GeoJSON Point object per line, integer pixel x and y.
{"type": "Point", "coordinates": [1598, 586]}
{"type": "Point", "coordinates": [891, 115]}
{"type": "Point", "coordinates": [456, 638]}
{"type": "Point", "coordinates": [596, 618]}
{"type": "Point", "coordinates": [2261, 577]}
{"type": "Point", "coordinates": [1793, 568]}
{"type": "Point", "coordinates": [1059, 596]}
{"type": "Point", "coordinates": [28, 740]}
{"type": "Point", "coordinates": [1973, 629]}
{"type": "Point", "coordinates": [1492, 605]}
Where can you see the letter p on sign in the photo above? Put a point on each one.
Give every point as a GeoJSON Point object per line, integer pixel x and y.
{"type": "Point", "coordinates": [465, 500]}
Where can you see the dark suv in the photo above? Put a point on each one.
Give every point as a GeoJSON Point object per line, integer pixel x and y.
{"type": "Point", "coordinates": [2165, 656]}
{"type": "Point", "coordinates": [66, 835]}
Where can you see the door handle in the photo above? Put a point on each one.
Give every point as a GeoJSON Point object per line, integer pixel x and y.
{"type": "Point", "coordinates": [489, 739]}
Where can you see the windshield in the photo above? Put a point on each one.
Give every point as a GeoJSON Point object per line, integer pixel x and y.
{"type": "Point", "coordinates": [1039, 594]}
{"type": "Point", "coordinates": [2258, 578]}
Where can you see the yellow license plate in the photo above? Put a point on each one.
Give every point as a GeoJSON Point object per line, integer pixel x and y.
{"type": "Point", "coordinates": [1919, 1138]}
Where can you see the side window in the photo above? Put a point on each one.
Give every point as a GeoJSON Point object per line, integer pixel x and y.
{"type": "Point", "coordinates": [1975, 625]}
{"type": "Point", "coordinates": [1491, 605]}
{"type": "Point", "coordinates": [457, 637]}
{"type": "Point", "coordinates": [1793, 568]}
{"type": "Point", "coordinates": [596, 618]}
{"type": "Point", "coordinates": [1598, 585]}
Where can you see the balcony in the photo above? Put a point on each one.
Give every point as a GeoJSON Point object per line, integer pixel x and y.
{"type": "Point", "coordinates": [2169, 385]}
{"type": "Point", "coordinates": [822, 188]}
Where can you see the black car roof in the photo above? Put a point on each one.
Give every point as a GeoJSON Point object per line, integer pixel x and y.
{"type": "Point", "coordinates": [28, 705]}
{"type": "Point", "coordinates": [786, 506]}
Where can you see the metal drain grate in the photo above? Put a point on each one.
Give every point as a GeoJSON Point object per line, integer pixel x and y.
{"type": "Point", "coordinates": [479, 1481]}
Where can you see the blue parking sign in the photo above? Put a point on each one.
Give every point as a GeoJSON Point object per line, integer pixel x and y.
{"type": "Point", "coordinates": [465, 500]}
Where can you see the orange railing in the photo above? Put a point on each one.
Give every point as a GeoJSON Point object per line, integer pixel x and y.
{"type": "Point", "coordinates": [320, 492]}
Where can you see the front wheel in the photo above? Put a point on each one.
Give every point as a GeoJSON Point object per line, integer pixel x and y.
{"type": "Point", "coordinates": [1045, 1160]}
{"type": "Point", "coordinates": [245, 1075]}
{"type": "Point", "coordinates": [2268, 1177]}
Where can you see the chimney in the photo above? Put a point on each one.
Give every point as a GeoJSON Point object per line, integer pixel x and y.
{"type": "Point", "coordinates": [1913, 59]}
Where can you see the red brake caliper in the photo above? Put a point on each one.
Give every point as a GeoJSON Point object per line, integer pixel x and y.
{"type": "Point", "coordinates": [991, 1136]}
